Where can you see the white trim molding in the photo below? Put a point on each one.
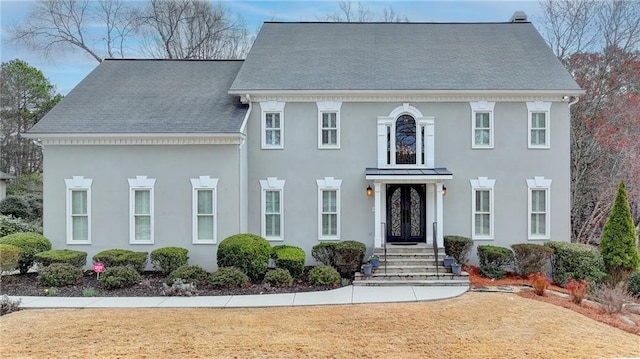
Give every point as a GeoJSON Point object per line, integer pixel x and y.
{"type": "Point", "coordinates": [328, 184]}
{"type": "Point", "coordinates": [482, 184]}
{"type": "Point", "coordinates": [78, 184]}
{"type": "Point", "coordinates": [482, 107]}
{"type": "Point", "coordinates": [272, 108]}
{"type": "Point", "coordinates": [328, 107]}
{"type": "Point", "coordinates": [537, 184]}
{"type": "Point", "coordinates": [272, 185]}
{"type": "Point", "coordinates": [204, 183]}
{"type": "Point", "coordinates": [544, 108]}
{"type": "Point", "coordinates": [138, 139]}
{"type": "Point", "coordinates": [141, 184]}
{"type": "Point", "coordinates": [425, 126]}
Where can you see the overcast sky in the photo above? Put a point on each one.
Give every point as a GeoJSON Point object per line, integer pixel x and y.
{"type": "Point", "coordinates": [67, 69]}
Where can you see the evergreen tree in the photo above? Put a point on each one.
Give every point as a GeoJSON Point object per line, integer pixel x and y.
{"type": "Point", "coordinates": [618, 243]}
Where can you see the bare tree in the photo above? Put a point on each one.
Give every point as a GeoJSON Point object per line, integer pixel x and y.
{"type": "Point", "coordinates": [348, 13]}
{"type": "Point", "coordinates": [57, 25]}
{"type": "Point", "coordinates": [390, 15]}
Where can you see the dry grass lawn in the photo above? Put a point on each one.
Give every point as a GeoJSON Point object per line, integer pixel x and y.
{"type": "Point", "coordinates": [476, 325]}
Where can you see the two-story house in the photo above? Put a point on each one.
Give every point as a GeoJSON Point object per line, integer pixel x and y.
{"type": "Point", "coordinates": [375, 132]}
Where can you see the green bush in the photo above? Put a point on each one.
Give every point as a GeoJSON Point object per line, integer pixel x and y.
{"type": "Point", "coordinates": [633, 283]}
{"type": "Point", "coordinates": [9, 256]}
{"type": "Point", "coordinates": [59, 274]}
{"type": "Point", "coordinates": [290, 258]}
{"type": "Point", "coordinates": [530, 258]}
{"type": "Point", "coordinates": [16, 206]}
{"type": "Point", "coordinates": [75, 258]}
{"type": "Point", "coordinates": [577, 261]}
{"type": "Point", "coordinates": [458, 247]}
{"type": "Point", "coordinates": [30, 243]}
{"type": "Point", "coordinates": [189, 274]}
{"type": "Point", "coordinates": [324, 275]}
{"type": "Point", "coordinates": [119, 277]}
{"type": "Point", "coordinates": [493, 259]}
{"type": "Point", "coordinates": [228, 277]}
{"type": "Point", "coordinates": [122, 257]}
{"type": "Point", "coordinates": [27, 183]}
{"type": "Point", "coordinates": [325, 253]}
{"type": "Point", "coordinates": [167, 259]}
{"type": "Point", "coordinates": [349, 257]}
{"type": "Point", "coordinates": [279, 277]}
{"type": "Point", "coordinates": [248, 252]}
{"type": "Point", "coordinates": [10, 225]}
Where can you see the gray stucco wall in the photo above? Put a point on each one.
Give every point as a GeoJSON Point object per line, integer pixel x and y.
{"type": "Point", "coordinates": [510, 163]}
{"type": "Point", "coordinates": [172, 166]}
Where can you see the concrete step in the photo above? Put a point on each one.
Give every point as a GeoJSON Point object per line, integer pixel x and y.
{"type": "Point", "coordinates": [407, 249]}
{"type": "Point", "coordinates": [412, 282]}
{"type": "Point", "coordinates": [413, 275]}
{"type": "Point", "coordinates": [420, 268]}
{"type": "Point", "coordinates": [392, 256]}
{"type": "Point", "coordinates": [410, 262]}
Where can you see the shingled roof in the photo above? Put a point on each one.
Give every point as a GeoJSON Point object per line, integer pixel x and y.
{"type": "Point", "coordinates": [401, 56]}
{"type": "Point", "coordinates": [150, 96]}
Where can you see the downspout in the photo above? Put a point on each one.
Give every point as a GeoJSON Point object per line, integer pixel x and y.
{"type": "Point", "coordinates": [244, 205]}
{"type": "Point", "coordinates": [577, 98]}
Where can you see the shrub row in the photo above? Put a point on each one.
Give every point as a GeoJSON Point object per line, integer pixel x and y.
{"type": "Point", "coordinates": [69, 256]}
{"type": "Point", "coordinates": [248, 252]}
{"type": "Point", "coordinates": [30, 244]}
{"type": "Point", "coordinates": [493, 259]}
{"type": "Point", "coordinates": [168, 259]}
{"type": "Point", "coordinates": [122, 258]}
{"type": "Point", "coordinates": [577, 261]}
{"type": "Point", "coordinates": [60, 274]}
{"type": "Point", "coordinates": [346, 256]}
{"type": "Point", "coordinates": [530, 258]}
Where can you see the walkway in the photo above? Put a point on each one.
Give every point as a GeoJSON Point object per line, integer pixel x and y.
{"type": "Point", "coordinates": [344, 295]}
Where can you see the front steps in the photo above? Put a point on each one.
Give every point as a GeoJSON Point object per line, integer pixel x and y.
{"type": "Point", "coordinates": [412, 265]}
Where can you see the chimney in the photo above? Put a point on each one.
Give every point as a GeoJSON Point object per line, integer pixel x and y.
{"type": "Point", "coordinates": [518, 16]}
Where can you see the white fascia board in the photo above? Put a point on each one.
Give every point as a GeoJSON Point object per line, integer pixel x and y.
{"type": "Point", "coordinates": [569, 92]}
{"type": "Point", "coordinates": [409, 179]}
{"type": "Point", "coordinates": [137, 138]}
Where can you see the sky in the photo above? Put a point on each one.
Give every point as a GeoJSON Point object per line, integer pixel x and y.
{"type": "Point", "coordinates": [66, 70]}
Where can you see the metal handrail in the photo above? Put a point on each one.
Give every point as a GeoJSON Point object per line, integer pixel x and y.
{"type": "Point", "coordinates": [384, 239]}
{"type": "Point", "coordinates": [435, 247]}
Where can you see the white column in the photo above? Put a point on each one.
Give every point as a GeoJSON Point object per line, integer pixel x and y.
{"type": "Point", "coordinates": [430, 205]}
{"type": "Point", "coordinates": [377, 215]}
{"type": "Point", "coordinates": [439, 216]}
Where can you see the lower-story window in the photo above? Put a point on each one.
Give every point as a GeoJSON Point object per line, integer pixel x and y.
{"type": "Point", "coordinates": [78, 210]}
{"type": "Point", "coordinates": [539, 208]}
{"type": "Point", "coordinates": [272, 199]}
{"type": "Point", "coordinates": [329, 208]}
{"type": "Point", "coordinates": [204, 209]}
{"type": "Point", "coordinates": [482, 208]}
{"type": "Point", "coordinates": [141, 210]}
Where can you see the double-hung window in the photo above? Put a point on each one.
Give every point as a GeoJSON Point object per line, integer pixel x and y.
{"type": "Point", "coordinates": [329, 124]}
{"type": "Point", "coordinates": [538, 124]}
{"type": "Point", "coordinates": [272, 222]}
{"type": "Point", "coordinates": [78, 210]}
{"type": "Point", "coordinates": [204, 204]}
{"type": "Point", "coordinates": [329, 208]}
{"type": "Point", "coordinates": [272, 124]}
{"type": "Point", "coordinates": [539, 207]}
{"type": "Point", "coordinates": [141, 210]}
{"type": "Point", "coordinates": [482, 124]}
{"type": "Point", "coordinates": [482, 216]}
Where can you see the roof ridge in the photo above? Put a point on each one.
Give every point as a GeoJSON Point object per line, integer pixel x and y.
{"type": "Point", "coordinates": [185, 60]}
{"type": "Point", "coordinates": [395, 23]}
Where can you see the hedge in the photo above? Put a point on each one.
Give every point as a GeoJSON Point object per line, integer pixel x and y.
{"type": "Point", "coordinates": [458, 247]}
{"type": "Point", "coordinates": [168, 259]}
{"type": "Point", "coordinates": [248, 252]}
{"type": "Point", "coordinates": [493, 259]}
{"type": "Point", "coordinates": [122, 257]}
{"type": "Point", "coordinates": [119, 277]}
{"type": "Point", "coordinates": [279, 277]}
{"type": "Point", "coordinates": [60, 274]}
{"type": "Point", "coordinates": [228, 277]}
{"type": "Point", "coordinates": [189, 274]}
{"type": "Point", "coordinates": [75, 258]}
{"type": "Point", "coordinates": [324, 275]}
{"type": "Point", "coordinates": [30, 243]}
{"type": "Point", "coordinates": [325, 253]}
{"type": "Point", "coordinates": [530, 258]}
{"type": "Point", "coordinates": [290, 258]}
{"type": "Point", "coordinates": [349, 257]}
{"type": "Point", "coordinates": [10, 225]}
{"type": "Point", "coordinates": [577, 261]}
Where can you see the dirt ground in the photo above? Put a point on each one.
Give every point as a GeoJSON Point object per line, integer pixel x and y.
{"type": "Point", "coordinates": [475, 325]}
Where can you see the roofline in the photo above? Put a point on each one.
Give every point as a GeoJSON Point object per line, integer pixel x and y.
{"type": "Point", "coordinates": [571, 92]}
{"type": "Point", "coordinates": [70, 139]}
{"type": "Point", "coordinates": [130, 134]}
{"type": "Point", "coordinates": [174, 60]}
{"type": "Point", "coordinates": [394, 22]}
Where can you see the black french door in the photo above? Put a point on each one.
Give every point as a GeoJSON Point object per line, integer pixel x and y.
{"type": "Point", "coordinates": [406, 213]}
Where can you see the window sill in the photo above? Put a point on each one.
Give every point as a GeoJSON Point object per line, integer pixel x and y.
{"type": "Point", "coordinates": [203, 241]}
{"type": "Point", "coordinates": [274, 239]}
{"type": "Point", "coordinates": [141, 242]}
{"type": "Point", "coordinates": [327, 147]}
{"type": "Point", "coordinates": [545, 238]}
{"type": "Point", "coordinates": [482, 238]}
{"type": "Point", "coordinates": [273, 147]}
{"type": "Point", "coordinates": [539, 147]}
{"type": "Point", "coordinates": [482, 147]}
{"type": "Point", "coordinates": [329, 239]}
{"type": "Point", "coordinates": [72, 242]}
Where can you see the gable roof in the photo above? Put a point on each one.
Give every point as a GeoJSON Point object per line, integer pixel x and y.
{"type": "Point", "coordinates": [401, 56]}
{"type": "Point", "coordinates": [150, 96]}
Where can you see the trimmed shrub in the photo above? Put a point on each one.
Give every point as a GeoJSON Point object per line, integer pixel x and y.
{"type": "Point", "coordinates": [324, 275]}
{"type": "Point", "coordinates": [349, 257]}
{"type": "Point", "coordinates": [30, 243]}
{"type": "Point", "coordinates": [290, 258]}
{"type": "Point", "coordinates": [458, 247]}
{"type": "Point", "coordinates": [325, 253]}
{"type": "Point", "coordinates": [167, 259]}
{"type": "Point", "coordinates": [279, 277]}
{"type": "Point", "coordinates": [577, 261]}
{"type": "Point", "coordinates": [59, 274]}
{"type": "Point", "coordinates": [228, 277]}
{"type": "Point", "coordinates": [530, 258]}
{"type": "Point", "coordinates": [119, 277]}
{"type": "Point", "coordinates": [493, 259]}
{"type": "Point", "coordinates": [8, 305]}
{"type": "Point", "coordinates": [10, 225]}
{"type": "Point", "coordinates": [619, 243]}
{"type": "Point", "coordinates": [122, 257]}
{"type": "Point", "coordinates": [75, 258]}
{"type": "Point", "coordinates": [248, 252]}
{"type": "Point", "coordinates": [16, 206]}
{"type": "Point", "coordinates": [9, 256]}
{"type": "Point", "coordinates": [633, 283]}
{"type": "Point", "coordinates": [189, 274]}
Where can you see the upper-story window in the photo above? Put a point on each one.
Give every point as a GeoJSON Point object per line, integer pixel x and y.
{"type": "Point", "coordinates": [538, 124]}
{"type": "Point", "coordinates": [406, 139]}
{"type": "Point", "coordinates": [482, 124]}
{"type": "Point", "coordinates": [272, 124]}
{"type": "Point", "coordinates": [328, 124]}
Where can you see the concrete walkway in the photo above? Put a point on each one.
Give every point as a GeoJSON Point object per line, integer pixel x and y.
{"type": "Point", "coordinates": [344, 295]}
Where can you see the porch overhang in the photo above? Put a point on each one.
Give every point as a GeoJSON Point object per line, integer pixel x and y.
{"type": "Point", "coordinates": [408, 175]}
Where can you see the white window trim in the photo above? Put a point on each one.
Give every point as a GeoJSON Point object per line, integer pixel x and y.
{"type": "Point", "coordinates": [140, 183]}
{"type": "Point", "coordinates": [271, 184]}
{"type": "Point", "coordinates": [328, 107]}
{"type": "Point", "coordinates": [272, 107]}
{"type": "Point", "coordinates": [482, 107]}
{"type": "Point", "coordinates": [539, 183]}
{"type": "Point", "coordinates": [389, 122]}
{"type": "Point", "coordinates": [329, 184]}
{"type": "Point", "coordinates": [203, 183]}
{"type": "Point", "coordinates": [539, 107]}
{"type": "Point", "coordinates": [77, 183]}
{"type": "Point", "coordinates": [482, 184]}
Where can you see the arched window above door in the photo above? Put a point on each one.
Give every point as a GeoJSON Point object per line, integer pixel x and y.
{"type": "Point", "coordinates": [406, 139]}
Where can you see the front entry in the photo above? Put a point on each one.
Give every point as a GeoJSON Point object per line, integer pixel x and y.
{"type": "Point", "coordinates": [406, 213]}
